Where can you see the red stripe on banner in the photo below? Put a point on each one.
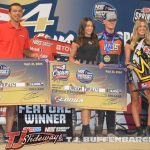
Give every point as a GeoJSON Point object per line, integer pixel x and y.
{"type": "Point", "coordinates": [2, 10]}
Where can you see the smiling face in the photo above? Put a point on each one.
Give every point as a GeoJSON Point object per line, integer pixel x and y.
{"type": "Point", "coordinates": [88, 29]}
{"type": "Point", "coordinates": [142, 29]}
{"type": "Point", "coordinates": [15, 13]}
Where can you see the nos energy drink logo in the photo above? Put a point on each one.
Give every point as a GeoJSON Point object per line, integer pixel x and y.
{"type": "Point", "coordinates": [84, 76]}
{"type": "Point", "coordinates": [4, 72]}
{"type": "Point", "coordinates": [101, 9]}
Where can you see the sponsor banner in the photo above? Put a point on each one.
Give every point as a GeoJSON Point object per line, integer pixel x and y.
{"type": "Point", "coordinates": [21, 82]}
{"type": "Point", "coordinates": [45, 138]}
{"type": "Point", "coordinates": [85, 86]}
{"type": "Point", "coordinates": [101, 9]}
{"type": "Point", "coordinates": [45, 119]}
{"type": "Point", "coordinates": [48, 48]}
{"type": "Point", "coordinates": [143, 13]}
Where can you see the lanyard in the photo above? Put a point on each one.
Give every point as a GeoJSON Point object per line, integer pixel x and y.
{"type": "Point", "coordinates": [108, 46]}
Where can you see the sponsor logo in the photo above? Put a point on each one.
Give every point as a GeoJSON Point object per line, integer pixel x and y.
{"type": "Point", "coordinates": [140, 65]}
{"type": "Point", "coordinates": [142, 14]}
{"type": "Point", "coordinates": [43, 43]}
{"type": "Point", "coordinates": [146, 49]}
{"type": "Point", "coordinates": [63, 48]}
{"type": "Point", "coordinates": [32, 129]}
{"type": "Point", "coordinates": [4, 72]}
{"type": "Point", "coordinates": [84, 75]}
{"type": "Point", "coordinates": [56, 129]}
{"type": "Point", "coordinates": [30, 138]}
{"type": "Point", "coordinates": [107, 58]}
{"type": "Point", "coordinates": [58, 99]}
{"type": "Point", "coordinates": [36, 49]}
{"type": "Point", "coordinates": [101, 9]}
{"type": "Point", "coordinates": [60, 72]}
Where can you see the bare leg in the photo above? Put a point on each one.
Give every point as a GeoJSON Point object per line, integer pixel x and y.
{"type": "Point", "coordinates": [10, 117]}
{"type": "Point", "coordinates": [135, 105]}
{"type": "Point", "coordinates": [85, 116]}
{"type": "Point", "coordinates": [147, 93]}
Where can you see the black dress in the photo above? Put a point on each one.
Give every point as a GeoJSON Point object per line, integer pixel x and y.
{"type": "Point", "coordinates": [87, 53]}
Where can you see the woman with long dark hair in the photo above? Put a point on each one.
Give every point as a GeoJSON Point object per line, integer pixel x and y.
{"type": "Point", "coordinates": [84, 50]}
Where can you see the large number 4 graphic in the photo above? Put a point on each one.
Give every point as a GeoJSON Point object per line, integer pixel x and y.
{"type": "Point", "coordinates": [42, 21]}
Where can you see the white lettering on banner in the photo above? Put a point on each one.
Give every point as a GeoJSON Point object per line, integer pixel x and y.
{"type": "Point", "coordinates": [38, 42]}
{"type": "Point", "coordinates": [56, 129]}
{"type": "Point", "coordinates": [109, 139]}
{"type": "Point", "coordinates": [45, 118]}
{"type": "Point", "coordinates": [126, 36]}
{"type": "Point", "coordinates": [43, 109]}
{"type": "Point", "coordinates": [63, 48]}
{"type": "Point", "coordinates": [61, 38]}
{"type": "Point", "coordinates": [43, 21]}
{"type": "Point", "coordinates": [141, 15]}
{"type": "Point", "coordinates": [50, 129]}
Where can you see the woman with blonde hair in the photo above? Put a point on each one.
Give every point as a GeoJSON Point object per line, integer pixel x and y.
{"type": "Point", "coordinates": [140, 35]}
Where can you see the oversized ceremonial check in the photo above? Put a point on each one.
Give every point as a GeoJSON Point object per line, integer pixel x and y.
{"type": "Point", "coordinates": [24, 82]}
{"type": "Point", "coordinates": [85, 86]}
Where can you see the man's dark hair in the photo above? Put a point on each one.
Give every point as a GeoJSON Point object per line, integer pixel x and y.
{"type": "Point", "coordinates": [15, 4]}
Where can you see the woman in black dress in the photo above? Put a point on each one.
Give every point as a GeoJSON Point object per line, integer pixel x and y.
{"type": "Point", "coordinates": [84, 50]}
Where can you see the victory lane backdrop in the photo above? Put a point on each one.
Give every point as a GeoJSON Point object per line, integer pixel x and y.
{"type": "Point", "coordinates": [60, 19]}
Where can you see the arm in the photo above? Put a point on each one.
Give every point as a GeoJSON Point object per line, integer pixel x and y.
{"type": "Point", "coordinates": [127, 54]}
{"type": "Point", "coordinates": [31, 54]}
{"type": "Point", "coordinates": [99, 54]}
{"type": "Point", "coordinates": [99, 60]}
{"type": "Point", "coordinates": [74, 48]}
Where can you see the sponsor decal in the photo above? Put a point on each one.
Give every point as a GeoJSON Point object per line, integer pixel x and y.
{"type": "Point", "coordinates": [30, 138]}
{"type": "Point", "coordinates": [101, 9]}
{"type": "Point", "coordinates": [4, 72]}
{"type": "Point", "coordinates": [56, 129]}
{"type": "Point", "coordinates": [143, 13]}
{"type": "Point", "coordinates": [58, 99]}
{"type": "Point", "coordinates": [84, 75]}
{"type": "Point", "coordinates": [107, 58]}
{"type": "Point", "coordinates": [32, 129]}
{"type": "Point", "coordinates": [140, 65]}
{"type": "Point", "coordinates": [60, 72]}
